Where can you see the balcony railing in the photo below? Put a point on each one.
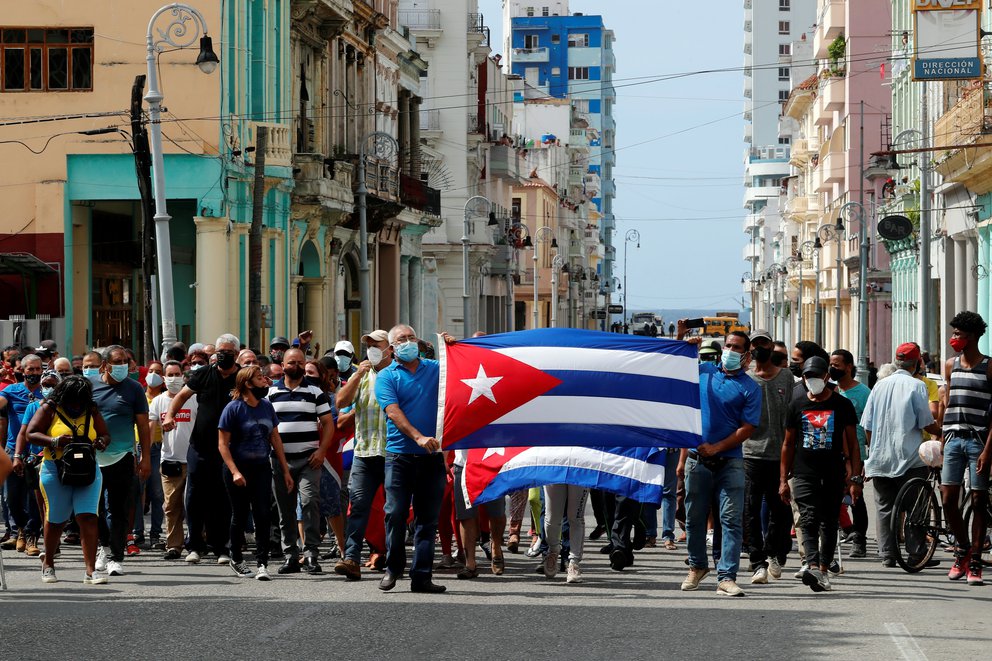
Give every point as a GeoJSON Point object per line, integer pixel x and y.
{"type": "Point", "coordinates": [417, 194]}
{"type": "Point", "coordinates": [530, 54]}
{"type": "Point", "coordinates": [477, 25]}
{"type": "Point", "coordinates": [382, 179]}
{"type": "Point", "coordinates": [829, 26]}
{"type": "Point", "coordinates": [278, 151]}
{"type": "Point", "coordinates": [430, 120]}
{"type": "Point", "coordinates": [421, 19]}
{"type": "Point", "coordinates": [964, 122]}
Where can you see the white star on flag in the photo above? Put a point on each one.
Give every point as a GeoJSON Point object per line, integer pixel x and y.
{"type": "Point", "coordinates": [491, 451]}
{"type": "Point", "coordinates": [482, 385]}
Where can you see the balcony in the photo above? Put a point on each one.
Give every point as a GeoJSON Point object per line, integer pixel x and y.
{"type": "Point", "coordinates": [323, 183]}
{"type": "Point", "coordinates": [477, 30]}
{"type": "Point", "coordinates": [833, 94]}
{"type": "Point", "coordinates": [421, 20]}
{"type": "Point", "coordinates": [828, 172]}
{"type": "Point", "coordinates": [382, 180]}
{"type": "Point", "coordinates": [278, 152]}
{"type": "Point", "coordinates": [829, 26]}
{"type": "Point", "coordinates": [752, 252]}
{"type": "Point", "coordinates": [504, 162]}
{"type": "Point", "coordinates": [530, 55]}
{"type": "Point", "coordinates": [967, 122]}
{"type": "Point", "coordinates": [752, 221]}
{"type": "Point", "coordinates": [430, 120]}
{"type": "Point", "coordinates": [797, 207]}
{"type": "Point", "coordinates": [417, 194]}
{"type": "Point", "coordinates": [578, 139]}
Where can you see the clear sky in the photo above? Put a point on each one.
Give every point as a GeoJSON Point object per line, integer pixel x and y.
{"type": "Point", "coordinates": [680, 156]}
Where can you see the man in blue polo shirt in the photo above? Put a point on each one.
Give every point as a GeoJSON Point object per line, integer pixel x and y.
{"type": "Point", "coordinates": [731, 410]}
{"type": "Point", "coordinates": [407, 391]}
{"type": "Point", "coordinates": [20, 498]}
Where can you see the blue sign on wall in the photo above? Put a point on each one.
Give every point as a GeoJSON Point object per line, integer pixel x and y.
{"type": "Point", "coordinates": [947, 68]}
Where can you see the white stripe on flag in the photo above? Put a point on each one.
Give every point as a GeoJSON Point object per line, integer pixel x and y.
{"type": "Point", "coordinates": [592, 459]}
{"type": "Point", "coordinates": [607, 360]}
{"type": "Point", "coordinates": [605, 411]}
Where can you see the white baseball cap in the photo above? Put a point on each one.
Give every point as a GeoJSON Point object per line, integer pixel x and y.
{"type": "Point", "coordinates": [344, 345]}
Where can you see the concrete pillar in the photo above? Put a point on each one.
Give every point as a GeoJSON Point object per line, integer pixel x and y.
{"type": "Point", "coordinates": [403, 131]}
{"type": "Point", "coordinates": [983, 282]}
{"type": "Point", "coordinates": [960, 276]}
{"type": "Point", "coordinates": [416, 292]}
{"type": "Point", "coordinates": [414, 117]}
{"type": "Point", "coordinates": [971, 273]}
{"type": "Point", "coordinates": [82, 280]}
{"type": "Point", "coordinates": [405, 290]}
{"type": "Point", "coordinates": [214, 256]}
{"type": "Point", "coordinates": [947, 310]}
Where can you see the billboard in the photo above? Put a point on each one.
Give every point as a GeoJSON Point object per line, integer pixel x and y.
{"type": "Point", "coordinates": [947, 36]}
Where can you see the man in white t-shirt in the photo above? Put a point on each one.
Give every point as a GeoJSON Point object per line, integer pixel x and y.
{"type": "Point", "coordinates": [175, 443]}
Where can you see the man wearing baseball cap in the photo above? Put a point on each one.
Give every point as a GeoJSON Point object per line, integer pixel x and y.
{"type": "Point", "coordinates": [820, 439]}
{"type": "Point", "coordinates": [895, 415]}
{"type": "Point", "coordinates": [762, 454]}
{"type": "Point", "coordinates": [344, 356]}
{"type": "Point", "coordinates": [368, 470]}
{"type": "Point", "coordinates": [277, 347]}
{"type": "Point", "coordinates": [710, 352]}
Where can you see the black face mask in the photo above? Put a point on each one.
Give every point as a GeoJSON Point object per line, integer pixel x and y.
{"type": "Point", "coordinates": [311, 381]}
{"type": "Point", "coordinates": [293, 372]}
{"type": "Point", "coordinates": [259, 391]}
{"type": "Point", "coordinates": [796, 369]}
{"type": "Point", "coordinates": [32, 380]}
{"type": "Point", "coordinates": [225, 360]}
{"type": "Point", "coordinates": [837, 374]}
{"type": "Point", "coordinates": [276, 355]}
{"type": "Point", "coordinates": [761, 354]}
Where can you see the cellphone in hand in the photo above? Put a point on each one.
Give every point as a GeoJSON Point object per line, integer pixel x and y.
{"type": "Point", "coordinates": [698, 322]}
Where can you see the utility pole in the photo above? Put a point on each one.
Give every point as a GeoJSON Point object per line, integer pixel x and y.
{"type": "Point", "coordinates": [925, 327]}
{"type": "Point", "coordinates": [143, 171]}
{"type": "Point", "coordinates": [255, 241]}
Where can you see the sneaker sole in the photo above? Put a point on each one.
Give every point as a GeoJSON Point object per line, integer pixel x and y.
{"type": "Point", "coordinates": [47, 579]}
{"type": "Point", "coordinates": [724, 593]}
{"type": "Point", "coordinates": [99, 581]}
{"type": "Point", "coordinates": [263, 578]}
{"type": "Point", "coordinates": [976, 583]}
{"type": "Point", "coordinates": [813, 584]}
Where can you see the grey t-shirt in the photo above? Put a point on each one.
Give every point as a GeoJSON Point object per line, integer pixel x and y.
{"type": "Point", "coordinates": [766, 442]}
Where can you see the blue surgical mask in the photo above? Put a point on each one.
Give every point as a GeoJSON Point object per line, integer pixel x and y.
{"type": "Point", "coordinates": [91, 372]}
{"type": "Point", "coordinates": [118, 372]}
{"type": "Point", "coordinates": [407, 351]}
{"type": "Point", "coordinates": [344, 362]}
{"type": "Point", "coordinates": [47, 392]}
{"type": "Point", "coordinates": [731, 360]}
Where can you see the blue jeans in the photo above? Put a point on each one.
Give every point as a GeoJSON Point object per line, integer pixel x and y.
{"type": "Point", "coordinates": [22, 503]}
{"type": "Point", "coordinates": [367, 475]}
{"type": "Point", "coordinates": [961, 454]}
{"type": "Point", "coordinates": [668, 497]}
{"type": "Point", "coordinates": [702, 485]}
{"type": "Point", "coordinates": [156, 496]}
{"type": "Point", "coordinates": [418, 479]}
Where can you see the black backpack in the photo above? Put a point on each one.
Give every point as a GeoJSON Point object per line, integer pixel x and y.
{"type": "Point", "coordinates": [77, 467]}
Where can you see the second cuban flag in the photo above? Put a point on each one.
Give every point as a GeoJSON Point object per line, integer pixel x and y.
{"type": "Point", "coordinates": [568, 387]}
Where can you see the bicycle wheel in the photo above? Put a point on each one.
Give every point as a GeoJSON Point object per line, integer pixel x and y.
{"type": "Point", "coordinates": [917, 522]}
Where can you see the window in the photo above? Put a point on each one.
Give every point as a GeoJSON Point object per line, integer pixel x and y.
{"type": "Point", "coordinates": [581, 105]}
{"type": "Point", "coordinates": [783, 5]}
{"type": "Point", "coordinates": [578, 73]}
{"type": "Point", "coordinates": [515, 207]}
{"type": "Point", "coordinates": [41, 59]}
{"type": "Point", "coordinates": [544, 11]}
{"type": "Point", "coordinates": [530, 11]}
{"type": "Point", "coordinates": [555, 71]}
{"type": "Point", "coordinates": [556, 38]}
{"type": "Point", "coordinates": [580, 40]}
{"type": "Point", "coordinates": [530, 41]}
{"type": "Point", "coordinates": [785, 49]}
{"type": "Point", "coordinates": [783, 27]}
{"type": "Point", "coordinates": [783, 95]}
{"type": "Point", "coordinates": [785, 140]}
{"type": "Point", "coordinates": [783, 73]}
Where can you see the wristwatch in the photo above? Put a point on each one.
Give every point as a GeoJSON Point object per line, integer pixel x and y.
{"type": "Point", "coordinates": [858, 479]}
{"type": "Point", "coordinates": [18, 456]}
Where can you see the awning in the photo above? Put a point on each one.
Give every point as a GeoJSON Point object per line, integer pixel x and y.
{"type": "Point", "coordinates": [24, 263]}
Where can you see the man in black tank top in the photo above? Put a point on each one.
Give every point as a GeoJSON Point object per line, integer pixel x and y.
{"type": "Point", "coordinates": [967, 397]}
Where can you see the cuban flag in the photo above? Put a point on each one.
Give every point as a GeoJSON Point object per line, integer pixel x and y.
{"type": "Point", "coordinates": [491, 473]}
{"type": "Point", "coordinates": [568, 387]}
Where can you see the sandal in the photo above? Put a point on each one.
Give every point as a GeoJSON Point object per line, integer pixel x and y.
{"type": "Point", "coordinates": [498, 565]}
{"type": "Point", "coordinates": [467, 573]}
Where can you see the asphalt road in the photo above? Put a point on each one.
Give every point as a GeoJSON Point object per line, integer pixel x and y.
{"type": "Point", "coordinates": [170, 610]}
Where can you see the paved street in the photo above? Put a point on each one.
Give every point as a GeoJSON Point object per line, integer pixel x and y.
{"type": "Point", "coordinates": [162, 608]}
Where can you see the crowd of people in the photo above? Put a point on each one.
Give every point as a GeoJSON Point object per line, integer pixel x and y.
{"type": "Point", "coordinates": [229, 450]}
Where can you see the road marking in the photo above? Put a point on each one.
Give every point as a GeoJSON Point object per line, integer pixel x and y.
{"type": "Point", "coordinates": [284, 626]}
{"type": "Point", "coordinates": [909, 649]}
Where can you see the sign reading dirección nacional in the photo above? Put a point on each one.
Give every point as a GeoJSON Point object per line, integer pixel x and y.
{"type": "Point", "coordinates": [947, 37]}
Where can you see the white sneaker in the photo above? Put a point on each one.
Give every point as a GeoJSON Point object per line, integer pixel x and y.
{"type": "Point", "coordinates": [114, 568]}
{"type": "Point", "coordinates": [551, 565]}
{"type": "Point", "coordinates": [223, 559]}
{"type": "Point", "coordinates": [48, 575]}
{"type": "Point", "coordinates": [193, 557]}
{"type": "Point", "coordinates": [760, 576]}
{"type": "Point", "coordinates": [816, 580]}
{"type": "Point", "coordinates": [574, 572]}
{"type": "Point", "coordinates": [774, 569]}
{"type": "Point", "coordinates": [801, 571]}
{"type": "Point", "coordinates": [102, 554]}
{"type": "Point", "coordinates": [535, 549]}
{"type": "Point", "coordinates": [709, 539]}
{"type": "Point", "coordinates": [729, 588]}
{"type": "Point", "coordinates": [262, 573]}
{"type": "Point", "coordinates": [96, 578]}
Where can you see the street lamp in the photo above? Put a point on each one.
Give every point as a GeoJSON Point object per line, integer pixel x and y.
{"type": "Point", "coordinates": [632, 236]}
{"type": "Point", "coordinates": [476, 205]}
{"type": "Point", "coordinates": [383, 147]}
{"type": "Point", "coordinates": [857, 208]}
{"type": "Point", "coordinates": [825, 234]}
{"type": "Point", "coordinates": [177, 34]}
{"type": "Point", "coordinates": [543, 233]}
{"type": "Point", "coordinates": [557, 264]}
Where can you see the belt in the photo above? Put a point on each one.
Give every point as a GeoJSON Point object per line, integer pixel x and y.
{"type": "Point", "coordinates": [694, 455]}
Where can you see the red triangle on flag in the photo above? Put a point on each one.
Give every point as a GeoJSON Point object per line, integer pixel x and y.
{"type": "Point", "coordinates": [482, 465]}
{"type": "Point", "coordinates": [481, 386]}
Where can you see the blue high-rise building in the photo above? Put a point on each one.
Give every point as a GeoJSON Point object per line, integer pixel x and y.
{"type": "Point", "coordinates": [572, 57]}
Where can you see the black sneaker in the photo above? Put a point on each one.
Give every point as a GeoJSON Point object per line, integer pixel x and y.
{"type": "Point", "coordinates": [241, 569]}
{"type": "Point", "coordinates": [311, 566]}
{"type": "Point", "coordinates": [172, 554]}
{"type": "Point", "coordinates": [157, 543]}
{"type": "Point", "coordinates": [618, 560]}
{"type": "Point", "coordinates": [291, 566]}
{"type": "Point", "coordinates": [597, 532]}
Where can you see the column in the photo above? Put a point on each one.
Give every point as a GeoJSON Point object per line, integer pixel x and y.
{"type": "Point", "coordinates": [946, 311]}
{"type": "Point", "coordinates": [78, 300]}
{"type": "Point", "coordinates": [213, 264]}
{"type": "Point", "coordinates": [417, 298]}
{"type": "Point", "coordinates": [414, 117]}
{"type": "Point", "coordinates": [983, 282]}
{"type": "Point", "coordinates": [961, 276]}
{"type": "Point", "coordinates": [405, 290]}
{"type": "Point", "coordinates": [971, 272]}
{"type": "Point", "coordinates": [403, 132]}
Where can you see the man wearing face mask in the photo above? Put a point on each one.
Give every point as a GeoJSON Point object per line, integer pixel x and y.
{"type": "Point", "coordinates": [121, 401]}
{"type": "Point", "coordinates": [842, 372]}
{"type": "Point", "coordinates": [344, 356]}
{"type": "Point", "coordinates": [731, 410]}
{"type": "Point", "coordinates": [175, 445]}
{"type": "Point", "coordinates": [368, 470]}
{"type": "Point", "coordinates": [762, 454]}
{"type": "Point", "coordinates": [207, 505]}
{"type": "Point", "coordinates": [820, 450]}
{"type": "Point", "coordinates": [407, 391]}
{"type": "Point", "coordinates": [20, 499]}
{"type": "Point", "coordinates": [277, 348]}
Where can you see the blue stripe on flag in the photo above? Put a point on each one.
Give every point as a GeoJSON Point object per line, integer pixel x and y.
{"type": "Point", "coordinates": [624, 386]}
{"type": "Point", "coordinates": [569, 434]}
{"type": "Point", "coordinates": [573, 337]}
{"type": "Point", "coordinates": [527, 477]}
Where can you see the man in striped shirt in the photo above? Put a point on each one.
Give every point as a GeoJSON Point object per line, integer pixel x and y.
{"type": "Point", "coordinates": [306, 426]}
{"type": "Point", "coordinates": [966, 428]}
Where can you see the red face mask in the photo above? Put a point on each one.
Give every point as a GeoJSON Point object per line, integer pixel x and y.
{"type": "Point", "coordinates": [958, 344]}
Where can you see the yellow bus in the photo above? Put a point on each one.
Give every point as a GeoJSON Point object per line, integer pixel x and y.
{"type": "Point", "coordinates": [721, 326]}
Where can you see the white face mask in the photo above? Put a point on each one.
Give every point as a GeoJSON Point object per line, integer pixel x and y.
{"type": "Point", "coordinates": [374, 355]}
{"type": "Point", "coordinates": [815, 386]}
{"type": "Point", "coordinates": [174, 384]}
{"type": "Point", "coordinates": [153, 380]}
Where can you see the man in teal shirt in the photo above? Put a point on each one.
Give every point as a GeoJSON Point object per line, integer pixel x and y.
{"type": "Point", "coordinates": [842, 373]}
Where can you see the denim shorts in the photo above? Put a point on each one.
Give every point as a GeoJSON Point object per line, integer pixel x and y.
{"type": "Point", "coordinates": [960, 453]}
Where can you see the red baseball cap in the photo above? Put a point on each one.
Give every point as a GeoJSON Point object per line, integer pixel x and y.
{"type": "Point", "coordinates": [908, 351]}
